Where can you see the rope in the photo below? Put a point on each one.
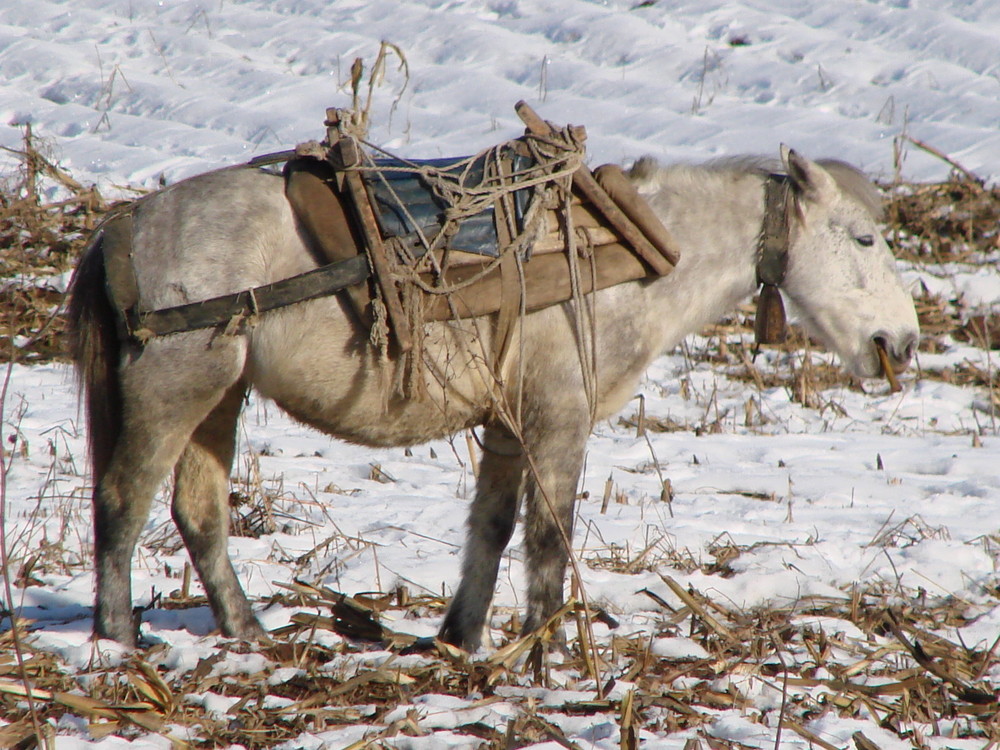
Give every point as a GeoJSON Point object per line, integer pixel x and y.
{"type": "Point", "coordinates": [555, 158]}
{"type": "Point", "coordinates": [583, 316]}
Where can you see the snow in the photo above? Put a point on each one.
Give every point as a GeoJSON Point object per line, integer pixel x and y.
{"type": "Point", "coordinates": [877, 489]}
{"type": "Point", "coordinates": [135, 90]}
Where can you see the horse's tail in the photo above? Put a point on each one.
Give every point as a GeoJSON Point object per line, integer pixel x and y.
{"type": "Point", "coordinates": [96, 351]}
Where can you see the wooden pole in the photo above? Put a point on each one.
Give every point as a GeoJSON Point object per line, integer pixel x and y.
{"type": "Point", "coordinates": [584, 181]}
{"type": "Point", "coordinates": [380, 264]}
{"type": "Point", "coordinates": [354, 185]}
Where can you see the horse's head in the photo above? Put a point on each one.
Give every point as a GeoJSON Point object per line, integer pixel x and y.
{"type": "Point", "coordinates": [841, 278]}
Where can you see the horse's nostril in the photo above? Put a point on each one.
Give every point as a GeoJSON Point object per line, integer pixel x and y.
{"type": "Point", "coordinates": [905, 349]}
{"type": "Point", "coordinates": [901, 350]}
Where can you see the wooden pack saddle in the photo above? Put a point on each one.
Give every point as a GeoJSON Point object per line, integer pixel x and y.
{"type": "Point", "coordinates": [511, 255]}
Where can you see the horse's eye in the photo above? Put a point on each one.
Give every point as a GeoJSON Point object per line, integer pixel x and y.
{"type": "Point", "coordinates": [865, 240]}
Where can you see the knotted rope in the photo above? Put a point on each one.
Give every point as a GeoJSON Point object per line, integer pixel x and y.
{"type": "Point", "coordinates": [555, 160]}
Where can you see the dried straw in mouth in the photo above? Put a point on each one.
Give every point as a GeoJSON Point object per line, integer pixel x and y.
{"type": "Point", "coordinates": [883, 357]}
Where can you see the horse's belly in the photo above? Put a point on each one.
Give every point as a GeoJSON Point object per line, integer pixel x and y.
{"type": "Point", "coordinates": [398, 425]}
{"type": "Point", "coordinates": [312, 361]}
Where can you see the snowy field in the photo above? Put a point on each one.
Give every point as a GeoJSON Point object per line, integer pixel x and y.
{"type": "Point", "coordinates": [894, 495]}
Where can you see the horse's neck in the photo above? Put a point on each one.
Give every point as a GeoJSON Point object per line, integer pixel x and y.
{"type": "Point", "coordinates": [716, 219]}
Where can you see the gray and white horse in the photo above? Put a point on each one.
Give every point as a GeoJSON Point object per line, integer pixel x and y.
{"type": "Point", "coordinates": [173, 403]}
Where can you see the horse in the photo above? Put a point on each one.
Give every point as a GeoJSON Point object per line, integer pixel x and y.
{"type": "Point", "coordinates": [172, 403]}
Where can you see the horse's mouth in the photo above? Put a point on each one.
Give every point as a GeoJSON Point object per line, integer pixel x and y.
{"type": "Point", "coordinates": [887, 368]}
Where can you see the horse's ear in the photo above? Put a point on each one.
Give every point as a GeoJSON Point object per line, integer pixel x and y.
{"type": "Point", "coordinates": [811, 181]}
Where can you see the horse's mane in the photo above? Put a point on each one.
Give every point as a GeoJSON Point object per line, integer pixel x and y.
{"type": "Point", "coordinates": [855, 183]}
{"type": "Point", "coordinates": [849, 178]}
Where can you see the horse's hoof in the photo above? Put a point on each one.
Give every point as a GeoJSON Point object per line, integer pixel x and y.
{"type": "Point", "coordinates": [254, 633]}
{"type": "Point", "coordinates": [420, 646]}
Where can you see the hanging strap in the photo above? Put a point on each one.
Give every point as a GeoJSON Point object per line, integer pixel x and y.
{"type": "Point", "coordinates": [772, 261]}
{"type": "Point", "coordinates": [772, 258]}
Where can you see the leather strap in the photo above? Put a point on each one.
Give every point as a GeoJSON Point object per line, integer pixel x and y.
{"type": "Point", "coordinates": [772, 260]}
{"type": "Point", "coordinates": [772, 247]}
{"type": "Point", "coordinates": [310, 186]}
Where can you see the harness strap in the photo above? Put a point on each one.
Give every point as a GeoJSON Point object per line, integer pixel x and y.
{"type": "Point", "coordinates": [209, 313]}
{"type": "Point", "coordinates": [772, 247]}
{"type": "Point", "coordinates": [122, 288]}
{"type": "Point", "coordinates": [772, 260]}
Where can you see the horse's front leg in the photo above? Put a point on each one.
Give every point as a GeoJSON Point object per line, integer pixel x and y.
{"type": "Point", "coordinates": [555, 460]}
{"type": "Point", "coordinates": [491, 523]}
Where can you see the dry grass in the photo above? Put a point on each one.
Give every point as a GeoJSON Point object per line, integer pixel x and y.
{"type": "Point", "coordinates": [41, 241]}
{"type": "Point", "coordinates": [867, 655]}
{"type": "Point", "coordinates": [872, 654]}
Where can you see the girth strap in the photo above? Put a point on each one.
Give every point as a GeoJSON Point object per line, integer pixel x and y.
{"type": "Point", "coordinates": [511, 290]}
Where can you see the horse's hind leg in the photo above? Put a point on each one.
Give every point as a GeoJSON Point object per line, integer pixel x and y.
{"type": "Point", "coordinates": [122, 500]}
{"type": "Point", "coordinates": [201, 511]}
{"type": "Point", "coordinates": [166, 391]}
{"type": "Point", "coordinates": [491, 522]}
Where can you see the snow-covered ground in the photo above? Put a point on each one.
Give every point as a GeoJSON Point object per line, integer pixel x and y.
{"type": "Point", "coordinates": [133, 89]}
{"type": "Point", "coordinates": [897, 491]}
